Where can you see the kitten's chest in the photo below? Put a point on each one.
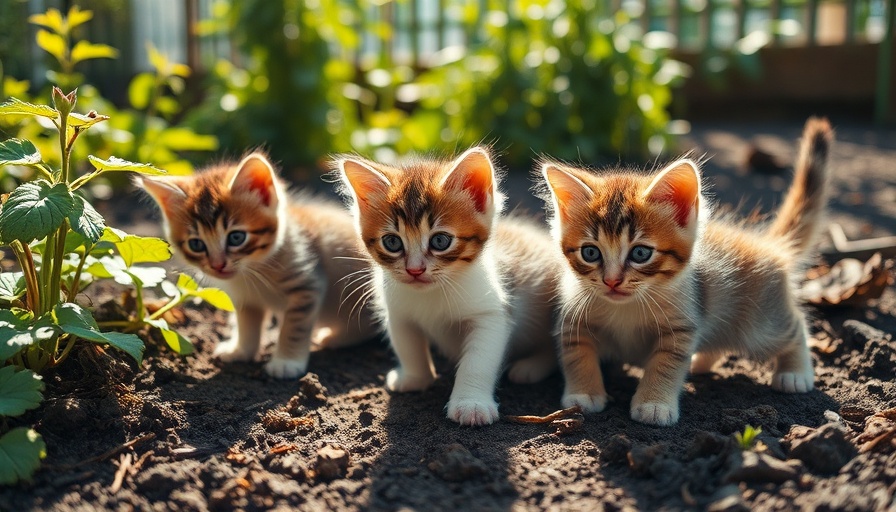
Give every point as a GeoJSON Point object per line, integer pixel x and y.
{"type": "Point", "coordinates": [251, 290]}
{"type": "Point", "coordinates": [628, 335]}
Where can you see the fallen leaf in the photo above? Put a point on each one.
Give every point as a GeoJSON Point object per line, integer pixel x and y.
{"type": "Point", "coordinates": [849, 282]}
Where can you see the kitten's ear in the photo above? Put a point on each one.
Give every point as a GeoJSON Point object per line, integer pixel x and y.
{"type": "Point", "coordinates": [256, 174]}
{"type": "Point", "coordinates": [678, 184]}
{"type": "Point", "coordinates": [365, 181]}
{"type": "Point", "coordinates": [165, 192]}
{"type": "Point", "coordinates": [565, 187]}
{"type": "Point", "coordinates": [473, 172]}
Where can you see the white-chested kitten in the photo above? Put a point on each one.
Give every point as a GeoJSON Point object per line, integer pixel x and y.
{"type": "Point", "coordinates": [653, 279]}
{"type": "Point", "coordinates": [271, 252]}
{"type": "Point", "coordinates": [450, 272]}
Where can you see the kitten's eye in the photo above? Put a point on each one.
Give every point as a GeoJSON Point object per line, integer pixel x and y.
{"type": "Point", "coordinates": [640, 253]}
{"type": "Point", "coordinates": [236, 238]}
{"type": "Point", "coordinates": [392, 243]}
{"type": "Point", "coordinates": [440, 241]}
{"type": "Point", "coordinates": [196, 245]}
{"type": "Point", "coordinates": [590, 253]}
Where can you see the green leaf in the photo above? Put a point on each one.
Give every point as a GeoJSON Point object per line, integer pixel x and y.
{"type": "Point", "coordinates": [52, 19]}
{"type": "Point", "coordinates": [85, 220]}
{"type": "Point", "coordinates": [19, 391]}
{"type": "Point", "coordinates": [138, 249]}
{"type": "Point", "coordinates": [19, 152]}
{"type": "Point", "coordinates": [34, 210]}
{"type": "Point", "coordinates": [54, 44]}
{"type": "Point", "coordinates": [76, 320]}
{"type": "Point", "coordinates": [78, 17]}
{"type": "Point", "coordinates": [115, 268]}
{"type": "Point", "coordinates": [21, 450]}
{"type": "Point", "coordinates": [140, 90]}
{"type": "Point", "coordinates": [14, 106]}
{"type": "Point", "coordinates": [113, 235]}
{"type": "Point", "coordinates": [179, 344]}
{"type": "Point", "coordinates": [187, 283]}
{"type": "Point", "coordinates": [83, 121]}
{"type": "Point", "coordinates": [185, 139]}
{"type": "Point", "coordinates": [17, 332]}
{"type": "Point", "coordinates": [117, 164]}
{"type": "Point", "coordinates": [85, 51]}
{"type": "Point", "coordinates": [12, 286]}
{"type": "Point", "coordinates": [216, 297]}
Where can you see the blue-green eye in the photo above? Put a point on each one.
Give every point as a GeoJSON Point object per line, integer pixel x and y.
{"type": "Point", "coordinates": [196, 245]}
{"type": "Point", "coordinates": [392, 243]}
{"type": "Point", "coordinates": [440, 241]}
{"type": "Point", "coordinates": [590, 253]}
{"type": "Point", "coordinates": [236, 238]}
{"type": "Point", "coordinates": [640, 253]}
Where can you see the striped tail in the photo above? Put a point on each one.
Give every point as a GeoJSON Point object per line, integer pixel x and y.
{"type": "Point", "coordinates": [799, 218]}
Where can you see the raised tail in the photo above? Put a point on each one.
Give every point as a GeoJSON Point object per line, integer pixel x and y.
{"type": "Point", "coordinates": [799, 218]}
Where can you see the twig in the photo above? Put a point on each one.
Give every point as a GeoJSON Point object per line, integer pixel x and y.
{"type": "Point", "coordinates": [123, 468]}
{"type": "Point", "coordinates": [545, 419]}
{"type": "Point", "coordinates": [859, 249]}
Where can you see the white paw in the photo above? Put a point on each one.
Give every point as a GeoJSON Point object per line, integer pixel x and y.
{"type": "Point", "coordinates": [790, 382]}
{"type": "Point", "coordinates": [588, 403]}
{"type": "Point", "coordinates": [282, 368]}
{"type": "Point", "coordinates": [397, 380]}
{"type": "Point", "coordinates": [473, 412]}
{"type": "Point", "coordinates": [529, 370]}
{"type": "Point", "coordinates": [654, 413]}
{"type": "Point", "coordinates": [230, 351]}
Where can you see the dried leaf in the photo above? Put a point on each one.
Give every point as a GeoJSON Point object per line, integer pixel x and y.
{"type": "Point", "coordinates": [849, 282]}
{"type": "Point", "coordinates": [880, 432]}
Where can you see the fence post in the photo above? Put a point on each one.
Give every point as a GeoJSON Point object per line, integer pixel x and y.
{"type": "Point", "coordinates": [884, 67]}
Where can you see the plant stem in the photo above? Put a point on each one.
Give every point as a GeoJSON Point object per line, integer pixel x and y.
{"type": "Point", "coordinates": [26, 261]}
{"type": "Point", "coordinates": [76, 281]}
{"type": "Point", "coordinates": [70, 342]}
{"type": "Point", "coordinates": [171, 304]}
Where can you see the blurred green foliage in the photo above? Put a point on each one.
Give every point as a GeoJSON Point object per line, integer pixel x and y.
{"type": "Point", "coordinates": [536, 76]}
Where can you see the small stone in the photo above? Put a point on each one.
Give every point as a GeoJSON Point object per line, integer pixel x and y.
{"type": "Point", "coordinates": [313, 390]}
{"type": "Point", "coordinates": [457, 464]}
{"type": "Point", "coordinates": [760, 468]}
{"type": "Point", "coordinates": [332, 462]}
{"type": "Point", "coordinates": [825, 450]}
{"type": "Point", "coordinates": [858, 334]}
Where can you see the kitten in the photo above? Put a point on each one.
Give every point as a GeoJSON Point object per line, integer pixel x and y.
{"type": "Point", "coordinates": [271, 252]}
{"type": "Point", "coordinates": [653, 279]}
{"type": "Point", "coordinates": [449, 272]}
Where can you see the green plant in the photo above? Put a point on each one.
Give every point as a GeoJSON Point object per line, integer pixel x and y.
{"type": "Point", "coordinates": [747, 438]}
{"type": "Point", "coordinates": [21, 448]}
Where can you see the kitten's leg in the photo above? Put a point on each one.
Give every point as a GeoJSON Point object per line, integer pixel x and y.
{"type": "Point", "coordinates": [415, 370]}
{"type": "Point", "coordinates": [472, 400]}
{"type": "Point", "coordinates": [534, 367]}
{"type": "Point", "coordinates": [656, 399]}
{"type": "Point", "coordinates": [290, 359]}
{"type": "Point", "coordinates": [245, 338]}
{"type": "Point", "coordinates": [793, 371]}
{"type": "Point", "coordinates": [581, 370]}
{"type": "Point", "coordinates": [702, 362]}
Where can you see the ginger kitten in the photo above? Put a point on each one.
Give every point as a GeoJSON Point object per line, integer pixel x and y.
{"type": "Point", "coordinates": [653, 279]}
{"type": "Point", "coordinates": [450, 272]}
{"type": "Point", "coordinates": [273, 253]}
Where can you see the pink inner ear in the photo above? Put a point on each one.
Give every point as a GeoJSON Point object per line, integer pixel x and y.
{"type": "Point", "coordinates": [684, 203]}
{"type": "Point", "coordinates": [256, 176]}
{"type": "Point", "coordinates": [680, 186]}
{"type": "Point", "coordinates": [478, 188]}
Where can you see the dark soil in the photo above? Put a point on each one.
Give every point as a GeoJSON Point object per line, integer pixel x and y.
{"type": "Point", "coordinates": [193, 435]}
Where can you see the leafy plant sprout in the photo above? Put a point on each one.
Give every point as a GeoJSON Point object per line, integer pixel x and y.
{"type": "Point", "coordinates": [747, 438]}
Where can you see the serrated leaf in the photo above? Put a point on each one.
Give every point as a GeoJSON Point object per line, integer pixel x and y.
{"type": "Point", "coordinates": [76, 320]}
{"type": "Point", "coordinates": [216, 297]}
{"type": "Point", "coordinates": [15, 106]}
{"type": "Point", "coordinates": [113, 235]}
{"type": "Point", "coordinates": [138, 249]}
{"type": "Point", "coordinates": [85, 220]}
{"type": "Point", "coordinates": [85, 121]}
{"type": "Point", "coordinates": [19, 391]}
{"type": "Point", "coordinates": [54, 44]}
{"type": "Point", "coordinates": [21, 450]}
{"type": "Point", "coordinates": [12, 285]}
{"type": "Point", "coordinates": [187, 283]}
{"type": "Point", "coordinates": [77, 17]}
{"type": "Point", "coordinates": [117, 164]}
{"type": "Point", "coordinates": [85, 51]}
{"type": "Point", "coordinates": [52, 19]}
{"type": "Point", "coordinates": [19, 152]}
{"type": "Point", "coordinates": [17, 332]}
{"type": "Point", "coordinates": [34, 210]}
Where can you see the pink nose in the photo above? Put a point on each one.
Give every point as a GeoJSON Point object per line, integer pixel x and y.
{"type": "Point", "coordinates": [219, 266]}
{"type": "Point", "coordinates": [415, 271]}
{"type": "Point", "coordinates": [612, 282]}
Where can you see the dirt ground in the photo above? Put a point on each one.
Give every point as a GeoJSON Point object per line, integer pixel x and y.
{"type": "Point", "coordinates": [191, 434]}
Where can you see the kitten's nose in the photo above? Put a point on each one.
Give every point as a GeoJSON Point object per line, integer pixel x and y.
{"type": "Point", "coordinates": [415, 271]}
{"type": "Point", "coordinates": [612, 282]}
{"type": "Point", "coordinates": [218, 266]}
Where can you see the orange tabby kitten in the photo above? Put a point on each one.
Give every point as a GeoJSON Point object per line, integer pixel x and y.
{"type": "Point", "coordinates": [450, 272]}
{"type": "Point", "coordinates": [271, 252]}
{"type": "Point", "coordinates": [653, 279]}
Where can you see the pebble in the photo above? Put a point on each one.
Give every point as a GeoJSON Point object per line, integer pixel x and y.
{"type": "Point", "coordinates": [332, 462]}
{"type": "Point", "coordinates": [825, 450]}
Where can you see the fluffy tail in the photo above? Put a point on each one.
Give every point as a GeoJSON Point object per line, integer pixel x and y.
{"type": "Point", "coordinates": [800, 215]}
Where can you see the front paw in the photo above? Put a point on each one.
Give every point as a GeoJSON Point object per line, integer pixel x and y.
{"type": "Point", "coordinates": [792, 382]}
{"type": "Point", "coordinates": [588, 403]}
{"type": "Point", "coordinates": [283, 368]}
{"type": "Point", "coordinates": [397, 380]}
{"type": "Point", "coordinates": [230, 351]}
{"type": "Point", "coordinates": [473, 412]}
{"type": "Point", "coordinates": [655, 413]}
